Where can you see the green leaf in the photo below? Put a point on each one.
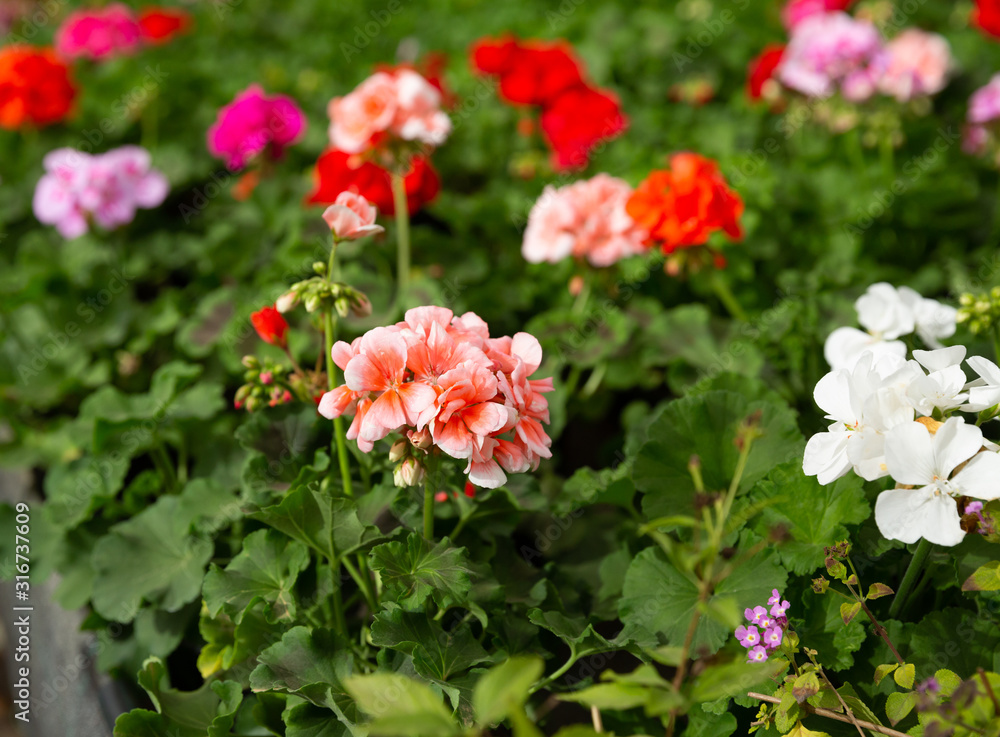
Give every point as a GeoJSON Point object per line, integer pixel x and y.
{"type": "Point", "coordinates": [814, 515]}
{"type": "Point", "coordinates": [504, 688]}
{"type": "Point", "coordinates": [436, 654]}
{"type": "Point", "coordinates": [878, 590]}
{"type": "Point", "coordinates": [934, 642]}
{"type": "Point", "coordinates": [400, 706]}
{"type": "Point", "coordinates": [658, 601]}
{"type": "Point", "coordinates": [904, 675]}
{"type": "Point", "coordinates": [328, 525]}
{"type": "Point", "coordinates": [414, 571]}
{"type": "Point", "coordinates": [986, 578]}
{"type": "Point", "coordinates": [898, 705]}
{"type": "Point", "coordinates": [74, 491]}
{"type": "Point", "coordinates": [883, 670]}
{"type": "Point", "coordinates": [826, 632]}
{"type": "Point", "coordinates": [311, 663]}
{"type": "Point", "coordinates": [150, 557]}
{"type": "Point", "coordinates": [267, 567]}
{"type": "Point", "coordinates": [849, 610]}
{"type": "Point", "coordinates": [575, 632]}
{"type": "Point", "coordinates": [706, 426]}
{"type": "Point", "coordinates": [723, 680]}
{"type": "Point", "coordinates": [306, 720]}
{"type": "Point", "coordinates": [208, 712]}
{"type": "Point", "coordinates": [702, 724]}
{"type": "Point", "coordinates": [948, 681]}
{"type": "Point", "coordinates": [617, 696]}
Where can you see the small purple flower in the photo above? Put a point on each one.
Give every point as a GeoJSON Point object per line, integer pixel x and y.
{"type": "Point", "coordinates": [984, 105]}
{"type": "Point", "coordinates": [773, 637]}
{"type": "Point", "coordinates": [930, 686]}
{"type": "Point", "coordinates": [755, 615]}
{"type": "Point", "coordinates": [973, 507]}
{"type": "Point", "coordinates": [775, 597]}
{"type": "Point", "coordinates": [779, 609]}
{"type": "Point", "coordinates": [748, 636]}
{"type": "Point", "coordinates": [757, 655]}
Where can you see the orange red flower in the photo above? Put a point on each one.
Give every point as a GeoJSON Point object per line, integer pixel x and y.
{"type": "Point", "coordinates": [683, 205]}
{"type": "Point", "coordinates": [986, 16]}
{"type": "Point", "coordinates": [159, 25]}
{"type": "Point", "coordinates": [35, 87]}
{"type": "Point", "coordinates": [270, 326]}
{"type": "Point", "coordinates": [762, 68]}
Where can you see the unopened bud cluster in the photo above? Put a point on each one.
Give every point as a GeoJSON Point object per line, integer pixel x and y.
{"type": "Point", "coordinates": [409, 455]}
{"type": "Point", "coordinates": [267, 384]}
{"type": "Point", "coordinates": [980, 311]}
{"type": "Point", "coordinates": [318, 292]}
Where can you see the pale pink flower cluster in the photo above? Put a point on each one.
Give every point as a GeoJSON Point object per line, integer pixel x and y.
{"type": "Point", "coordinates": [99, 34]}
{"type": "Point", "coordinates": [400, 104]}
{"type": "Point", "coordinates": [106, 188]}
{"type": "Point", "coordinates": [983, 115]}
{"type": "Point", "coordinates": [351, 216]}
{"type": "Point", "coordinates": [833, 52]}
{"type": "Point", "coordinates": [586, 219]}
{"type": "Point", "coordinates": [440, 375]}
{"type": "Point", "coordinates": [915, 63]}
{"type": "Point", "coordinates": [828, 52]}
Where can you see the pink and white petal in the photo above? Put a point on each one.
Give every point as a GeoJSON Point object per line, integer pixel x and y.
{"type": "Point", "coordinates": [342, 353]}
{"type": "Point", "coordinates": [341, 220]}
{"type": "Point", "coordinates": [454, 438]}
{"type": "Point", "coordinates": [526, 347]}
{"type": "Point", "coordinates": [364, 231]}
{"type": "Point", "coordinates": [362, 374]}
{"type": "Point", "coordinates": [416, 397]}
{"type": "Point", "coordinates": [335, 402]}
{"type": "Point", "coordinates": [485, 418]}
{"type": "Point", "coordinates": [486, 474]}
{"type": "Point", "coordinates": [387, 412]}
{"type": "Point", "coordinates": [910, 514]}
{"type": "Point", "coordinates": [151, 190]}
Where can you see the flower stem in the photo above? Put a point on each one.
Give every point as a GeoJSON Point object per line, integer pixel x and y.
{"type": "Point", "coordinates": [910, 577]}
{"type": "Point", "coordinates": [402, 236]}
{"type": "Point", "coordinates": [728, 299]}
{"type": "Point", "coordinates": [429, 506]}
{"type": "Point", "coordinates": [329, 328]}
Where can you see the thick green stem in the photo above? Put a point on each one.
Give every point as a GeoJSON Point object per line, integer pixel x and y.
{"type": "Point", "coordinates": [165, 466]}
{"type": "Point", "coordinates": [402, 236]}
{"type": "Point", "coordinates": [910, 577]}
{"type": "Point", "coordinates": [728, 299]}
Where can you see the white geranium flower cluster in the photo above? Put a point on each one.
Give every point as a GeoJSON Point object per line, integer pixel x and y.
{"type": "Point", "coordinates": [887, 314]}
{"type": "Point", "coordinates": [897, 417]}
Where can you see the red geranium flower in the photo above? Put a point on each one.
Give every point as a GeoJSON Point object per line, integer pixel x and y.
{"type": "Point", "coordinates": [159, 25]}
{"type": "Point", "coordinates": [762, 68]}
{"type": "Point", "coordinates": [270, 326]}
{"type": "Point", "coordinates": [684, 205]}
{"type": "Point", "coordinates": [337, 171]}
{"type": "Point", "coordinates": [35, 87]}
{"type": "Point", "coordinates": [579, 120]}
{"type": "Point", "coordinates": [531, 73]}
{"type": "Point", "coordinates": [986, 15]}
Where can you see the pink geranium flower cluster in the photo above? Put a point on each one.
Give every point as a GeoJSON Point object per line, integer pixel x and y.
{"type": "Point", "coordinates": [982, 117]}
{"type": "Point", "coordinates": [444, 382]}
{"type": "Point", "coordinates": [833, 52]}
{"type": "Point", "coordinates": [254, 123]}
{"type": "Point", "coordinates": [99, 33]}
{"type": "Point", "coordinates": [586, 219]}
{"type": "Point", "coordinates": [766, 628]}
{"type": "Point", "coordinates": [398, 104]}
{"type": "Point", "coordinates": [107, 189]}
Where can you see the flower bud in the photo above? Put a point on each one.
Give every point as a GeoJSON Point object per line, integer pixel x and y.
{"type": "Point", "coordinates": [361, 306]}
{"type": "Point", "coordinates": [398, 451]}
{"type": "Point", "coordinates": [313, 302]}
{"type": "Point", "coordinates": [420, 438]}
{"type": "Point", "coordinates": [409, 473]}
{"type": "Point", "coordinates": [319, 267]}
{"type": "Point", "coordinates": [251, 362]}
{"type": "Point", "coordinates": [287, 301]}
{"type": "Point", "coordinates": [343, 306]}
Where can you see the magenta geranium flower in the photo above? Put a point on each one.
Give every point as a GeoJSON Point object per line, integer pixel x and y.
{"type": "Point", "coordinates": [99, 33]}
{"type": "Point", "coordinates": [255, 123]}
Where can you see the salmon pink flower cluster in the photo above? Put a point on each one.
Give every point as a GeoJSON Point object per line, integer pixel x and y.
{"type": "Point", "coordinates": [338, 171]}
{"type": "Point", "coordinates": [682, 206]}
{"type": "Point", "coordinates": [765, 628]}
{"type": "Point", "coordinates": [586, 219]}
{"type": "Point", "coordinates": [35, 87]}
{"type": "Point", "coordinates": [575, 115]}
{"type": "Point", "coordinates": [104, 33]}
{"type": "Point", "coordinates": [255, 123]}
{"type": "Point", "coordinates": [831, 52]}
{"type": "Point", "coordinates": [107, 189]}
{"type": "Point", "coordinates": [398, 105]}
{"type": "Point", "coordinates": [442, 381]}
